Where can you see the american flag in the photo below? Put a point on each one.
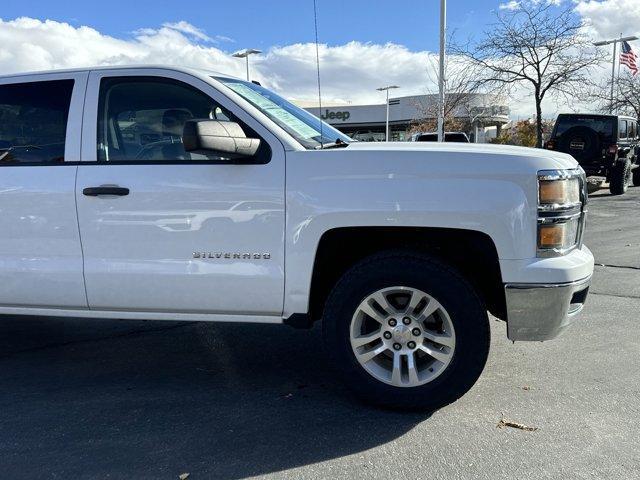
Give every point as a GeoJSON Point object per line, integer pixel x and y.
{"type": "Point", "coordinates": [628, 57]}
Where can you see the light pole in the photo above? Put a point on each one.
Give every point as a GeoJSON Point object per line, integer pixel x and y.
{"type": "Point", "coordinates": [615, 42]}
{"type": "Point", "coordinates": [245, 54]}
{"type": "Point", "coordinates": [382, 89]}
{"type": "Point", "coordinates": [441, 79]}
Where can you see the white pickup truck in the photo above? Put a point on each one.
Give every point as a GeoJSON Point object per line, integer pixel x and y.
{"type": "Point", "coordinates": [176, 194]}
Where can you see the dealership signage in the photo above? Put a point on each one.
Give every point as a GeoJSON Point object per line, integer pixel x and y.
{"type": "Point", "coordinates": [335, 115]}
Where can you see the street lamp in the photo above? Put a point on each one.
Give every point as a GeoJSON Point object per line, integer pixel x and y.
{"type": "Point", "coordinates": [615, 42]}
{"type": "Point", "coordinates": [245, 54]}
{"type": "Point", "coordinates": [382, 89]}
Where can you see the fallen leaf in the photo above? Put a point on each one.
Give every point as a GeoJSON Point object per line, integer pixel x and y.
{"type": "Point", "coordinates": [526, 387]}
{"type": "Point", "coordinates": [520, 426]}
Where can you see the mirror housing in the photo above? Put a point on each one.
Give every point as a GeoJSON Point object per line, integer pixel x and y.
{"type": "Point", "coordinates": [218, 136]}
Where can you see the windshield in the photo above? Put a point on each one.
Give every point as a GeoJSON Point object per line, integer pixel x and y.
{"type": "Point", "coordinates": [602, 125]}
{"type": "Point", "coordinates": [300, 124]}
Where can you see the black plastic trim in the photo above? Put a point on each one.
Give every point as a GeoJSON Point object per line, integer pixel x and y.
{"type": "Point", "coordinates": [299, 320]}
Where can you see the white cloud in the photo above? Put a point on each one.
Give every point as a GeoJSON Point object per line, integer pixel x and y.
{"type": "Point", "coordinates": [28, 44]}
{"type": "Point", "coordinates": [192, 32]}
{"type": "Point", "coordinates": [349, 72]}
{"type": "Point", "coordinates": [610, 18]}
{"type": "Point", "coordinates": [516, 4]}
{"type": "Point", "coordinates": [512, 5]}
{"type": "Point", "coordinates": [189, 30]}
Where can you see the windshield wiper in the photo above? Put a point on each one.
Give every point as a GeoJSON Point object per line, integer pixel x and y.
{"type": "Point", "coordinates": [337, 144]}
{"type": "Point", "coordinates": [15, 147]}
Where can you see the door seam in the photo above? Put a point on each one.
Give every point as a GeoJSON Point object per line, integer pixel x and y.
{"type": "Point", "coordinates": [75, 198]}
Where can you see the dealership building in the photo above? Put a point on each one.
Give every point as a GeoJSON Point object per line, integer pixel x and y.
{"type": "Point", "coordinates": [483, 114]}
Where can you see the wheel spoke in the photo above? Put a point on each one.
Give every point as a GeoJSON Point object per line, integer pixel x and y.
{"type": "Point", "coordinates": [381, 300]}
{"type": "Point", "coordinates": [416, 298]}
{"type": "Point", "coordinates": [429, 310]}
{"type": "Point", "coordinates": [413, 371]}
{"type": "Point", "coordinates": [437, 354]}
{"type": "Point", "coordinates": [439, 338]}
{"type": "Point", "coordinates": [365, 339]}
{"type": "Point", "coordinates": [371, 354]}
{"type": "Point", "coordinates": [367, 308]}
{"type": "Point", "coordinates": [396, 373]}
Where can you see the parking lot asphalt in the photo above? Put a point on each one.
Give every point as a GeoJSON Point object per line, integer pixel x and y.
{"type": "Point", "coordinates": [132, 399]}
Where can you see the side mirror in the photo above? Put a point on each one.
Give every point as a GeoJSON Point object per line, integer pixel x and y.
{"type": "Point", "coordinates": [218, 136]}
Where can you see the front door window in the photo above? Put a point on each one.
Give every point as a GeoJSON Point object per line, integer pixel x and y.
{"type": "Point", "coordinates": [142, 119]}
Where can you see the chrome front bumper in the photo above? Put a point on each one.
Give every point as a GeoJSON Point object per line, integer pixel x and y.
{"type": "Point", "coordinates": [540, 311]}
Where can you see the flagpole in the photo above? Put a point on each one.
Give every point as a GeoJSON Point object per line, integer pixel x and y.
{"type": "Point", "coordinates": [613, 75]}
{"type": "Point", "coordinates": [615, 42]}
{"type": "Point", "coordinates": [618, 79]}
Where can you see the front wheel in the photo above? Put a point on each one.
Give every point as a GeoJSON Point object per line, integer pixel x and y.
{"type": "Point", "coordinates": [406, 331]}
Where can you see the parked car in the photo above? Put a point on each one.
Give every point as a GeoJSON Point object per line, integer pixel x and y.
{"type": "Point", "coordinates": [459, 137]}
{"type": "Point", "coordinates": [175, 194]}
{"type": "Point", "coordinates": [603, 145]}
{"type": "Point", "coordinates": [368, 136]}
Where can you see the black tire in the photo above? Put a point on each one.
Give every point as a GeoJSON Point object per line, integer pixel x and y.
{"type": "Point", "coordinates": [465, 308]}
{"type": "Point", "coordinates": [636, 176]}
{"type": "Point", "coordinates": [620, 177]}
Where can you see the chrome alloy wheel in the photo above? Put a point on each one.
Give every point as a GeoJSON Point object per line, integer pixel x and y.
{"type": "Point", "coordinates": [402, 336]}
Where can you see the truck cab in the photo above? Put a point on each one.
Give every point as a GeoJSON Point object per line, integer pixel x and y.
{"type": "Point", "coordinates": [177, 194]}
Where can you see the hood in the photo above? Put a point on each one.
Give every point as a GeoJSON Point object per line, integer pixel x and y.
{"type": "Point", "coordinates": [548, 159]}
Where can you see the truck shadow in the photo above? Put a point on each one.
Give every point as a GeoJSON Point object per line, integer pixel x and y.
{"type": "Point", "coordinates": [87, 399]}
{"type": "Point", "coordinates": [604, 193]}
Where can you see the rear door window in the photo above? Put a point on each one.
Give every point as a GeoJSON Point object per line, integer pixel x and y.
{"type": "Point", "coordinates": [427, 137]}
{"type": "Point", "coordinates": [33, 121]}
{"type": "Point", "coordinates": [448, 137]}
{"type": "Point", "coordinates": [456, 138]}
{"type": "Point", "coordinates": [604, 126]}
{"type": "Point", "coordinates": [622, 129]}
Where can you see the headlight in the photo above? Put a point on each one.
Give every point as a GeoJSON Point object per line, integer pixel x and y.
{"type": "Point", "coordinates": [561, 200]}
{"type": "Point", "coordinates": [559, 193]}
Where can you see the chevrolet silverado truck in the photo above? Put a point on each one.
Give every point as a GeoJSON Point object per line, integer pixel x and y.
{"type": "Point", "coordinates": [178, 194]}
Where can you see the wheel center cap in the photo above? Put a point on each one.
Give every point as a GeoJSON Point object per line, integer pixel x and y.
{"type": "Point", "coordinates": [401, 334]}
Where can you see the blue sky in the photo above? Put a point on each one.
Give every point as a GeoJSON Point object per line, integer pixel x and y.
{"type": "Point", "coordinates": [262, 24]}
{"type": "Point", "coordinates": [365, 44]}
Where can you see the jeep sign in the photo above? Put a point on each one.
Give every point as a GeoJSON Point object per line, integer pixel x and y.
{"type": "Point", "coordinates": [335, 115]}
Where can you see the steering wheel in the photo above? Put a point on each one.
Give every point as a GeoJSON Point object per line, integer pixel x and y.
{"type": "Point", "coordinates": [151, 150]}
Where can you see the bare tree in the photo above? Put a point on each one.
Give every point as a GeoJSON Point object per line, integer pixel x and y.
{"type": "Point", "coordinates": [461, 87]}
{"type": "Point", "coordinates": [626, 99]}
{"type": "Point", "coordinates": [522, 133]}
{"type": "Point", "coordinates": [535, 45]}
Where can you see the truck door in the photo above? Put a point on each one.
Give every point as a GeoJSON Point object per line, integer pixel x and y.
{"type": "Point", "coordinates": [176, 231]}
{"type": "Point", "coordinates": [40, 254]}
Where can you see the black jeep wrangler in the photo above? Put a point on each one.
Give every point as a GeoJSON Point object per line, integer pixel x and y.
{"type": "Point", "coordinates": [604, 145]}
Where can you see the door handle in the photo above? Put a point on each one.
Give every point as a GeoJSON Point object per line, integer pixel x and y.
{"type": "Point", "coordinates": [105, 190]}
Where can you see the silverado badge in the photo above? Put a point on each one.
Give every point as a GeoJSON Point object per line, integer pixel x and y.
{"type": "Point", "coordinates": [230, 255]}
